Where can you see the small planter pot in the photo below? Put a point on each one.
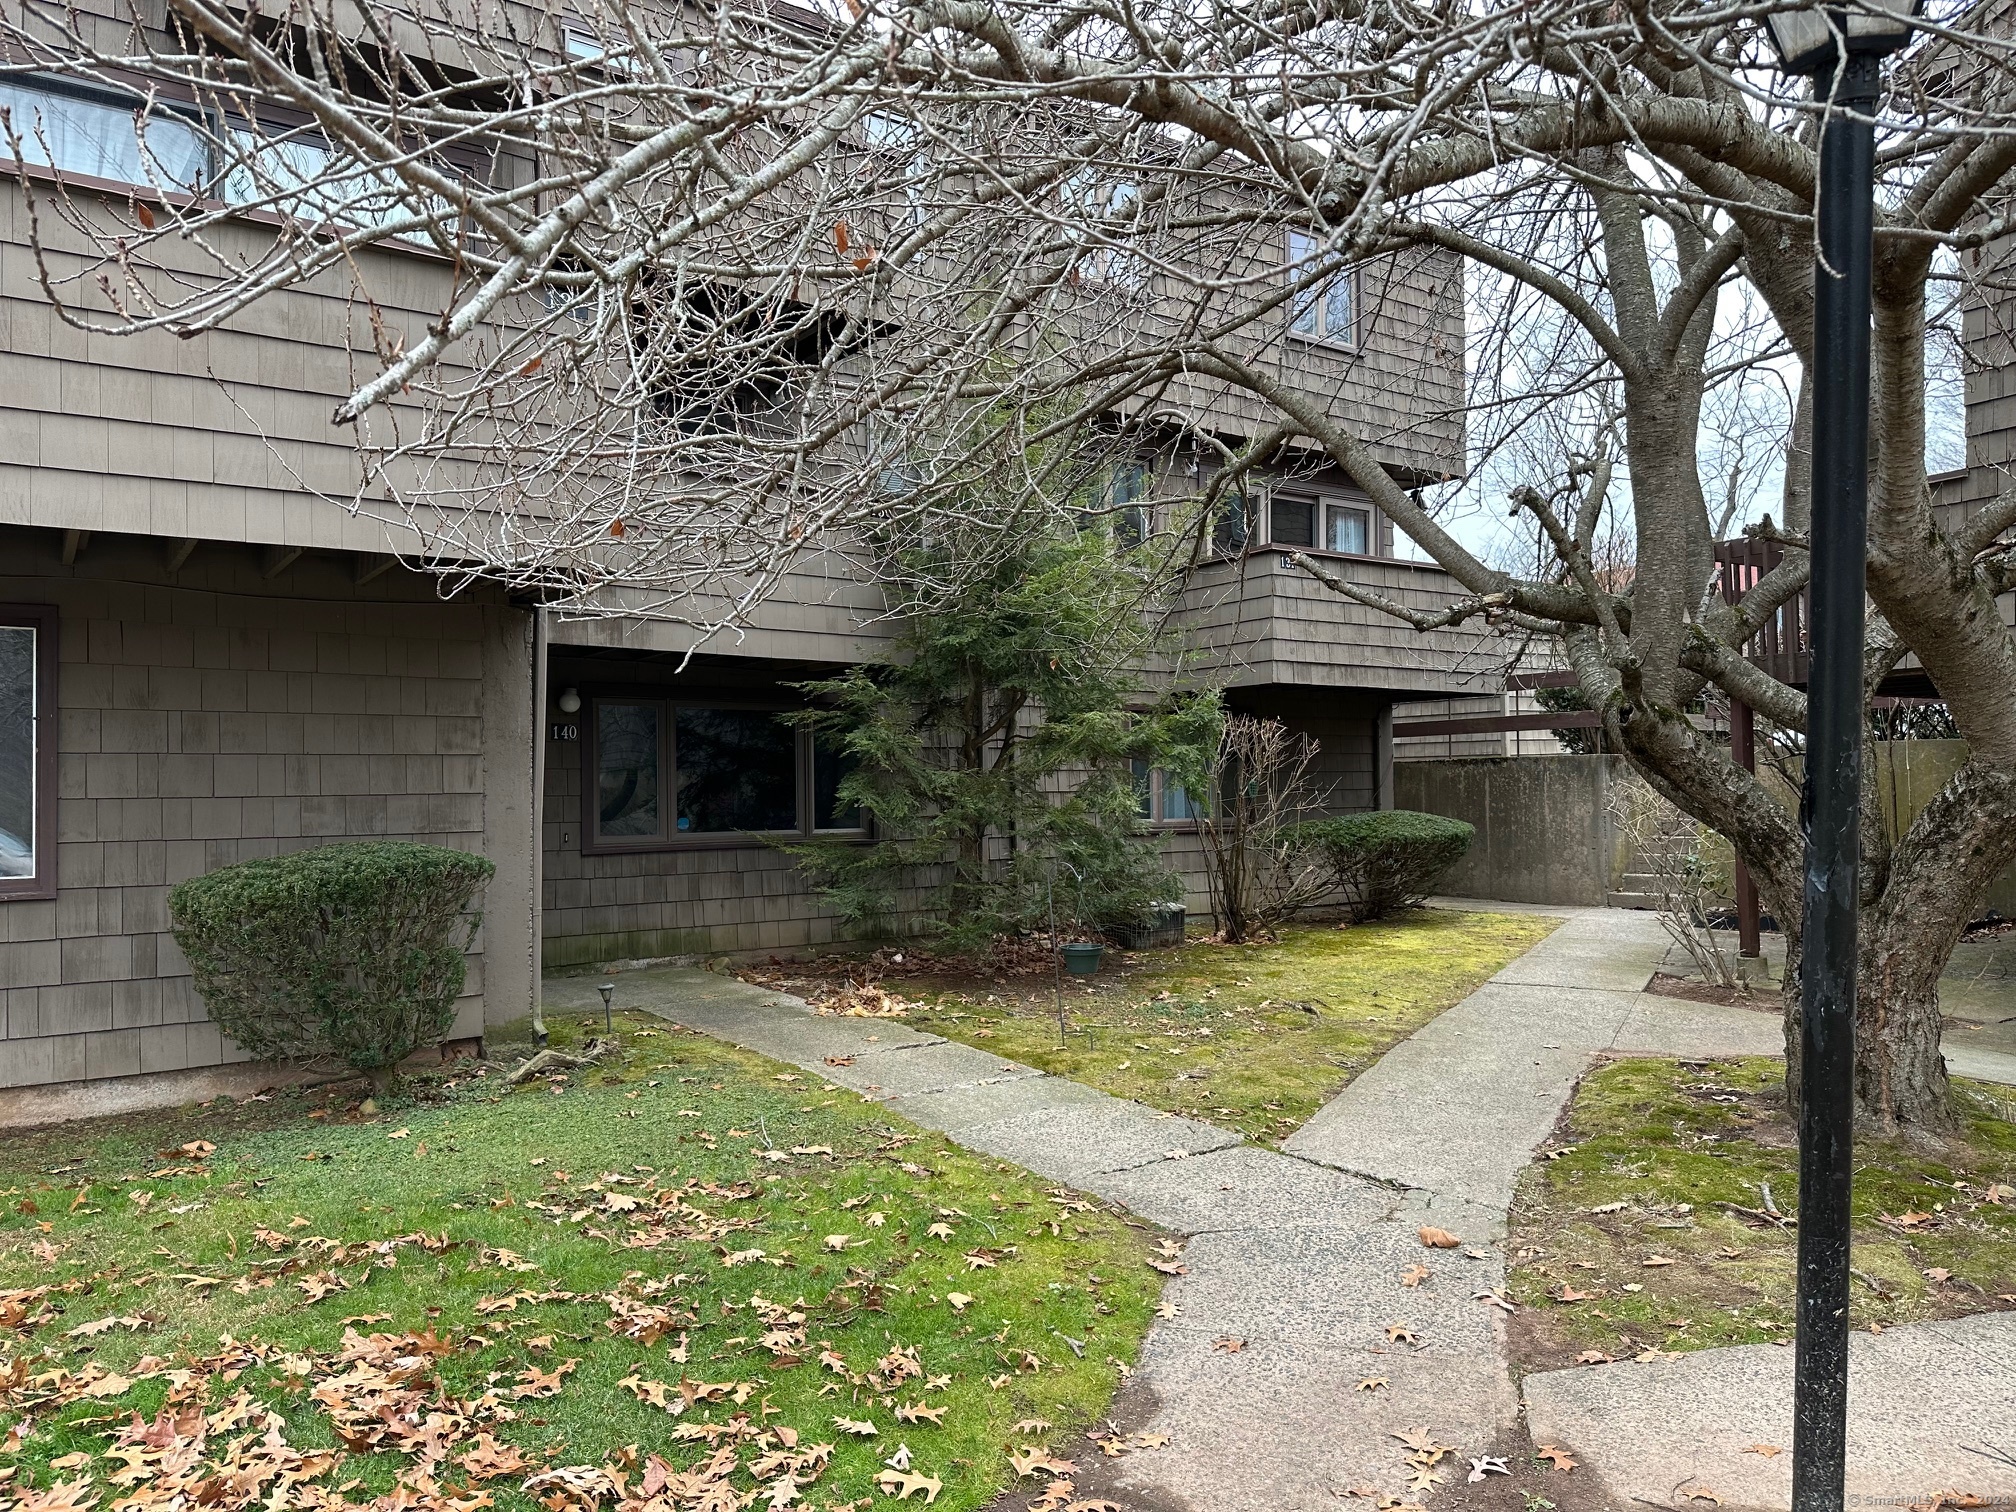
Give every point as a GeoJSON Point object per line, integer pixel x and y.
{"type": "Point", "coordinates": [1082, 960]}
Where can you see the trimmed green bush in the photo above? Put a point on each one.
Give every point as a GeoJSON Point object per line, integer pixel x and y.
{"type": "Point", "coordinates": [348, 952]}
{"type": "Point", "coordinates": [1387, 861]}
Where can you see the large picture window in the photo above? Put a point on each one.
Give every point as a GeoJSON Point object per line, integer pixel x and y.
{"type": "Point", "coordinates": [663, 773]}
{"type": "Point", "coordinates": [27, 751]}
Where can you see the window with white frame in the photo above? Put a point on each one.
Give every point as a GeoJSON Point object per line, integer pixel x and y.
{"type": "Point", "coordinates": [1326, 311]}
{"type": "Point", "coordinates": [1160, 799]}
{"type": "Point", "coordinates": [895, 141]}
{"type": "Point", "coordinates": [1347, 528]}
{"type": "Point", "coordinates": [661, 773]}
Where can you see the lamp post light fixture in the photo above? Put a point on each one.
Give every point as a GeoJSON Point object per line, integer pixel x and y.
{"type": "Point", "coordinates": [608, 991]}
{"type": "Point", "coordinates": [1841, 49]}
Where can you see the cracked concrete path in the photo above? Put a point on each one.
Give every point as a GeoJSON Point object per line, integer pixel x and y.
{"type": "Point", "coordinates": [1299, 1252]}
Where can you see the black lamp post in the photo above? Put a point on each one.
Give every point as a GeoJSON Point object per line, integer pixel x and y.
{"type": "Point", "coordinates": [1842, 49]}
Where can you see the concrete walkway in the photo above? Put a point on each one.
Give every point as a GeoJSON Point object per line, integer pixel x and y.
{"type": "Point", "coordinates": [1300, 1254]}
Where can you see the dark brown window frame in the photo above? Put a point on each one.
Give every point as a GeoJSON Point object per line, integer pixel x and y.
{"type": "Point", "coordinates": [47, 622]}
{"type": "Point", "coordinates": [592, 843]}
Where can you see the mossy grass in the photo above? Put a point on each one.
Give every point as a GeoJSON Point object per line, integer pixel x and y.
{"type": "Point", "coordinates": [465, 1158]}
{"type": "Point", "coordinates": [1685, 1161]}
{"type": "Point", "coordinates": [1255, 1037]}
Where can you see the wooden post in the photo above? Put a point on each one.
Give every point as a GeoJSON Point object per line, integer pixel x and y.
{"type": "Point", "coordinates": [1743, 750]}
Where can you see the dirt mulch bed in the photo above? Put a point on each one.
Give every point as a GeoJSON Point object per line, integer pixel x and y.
{"type": "Point", "coordinates": [1665, 984]}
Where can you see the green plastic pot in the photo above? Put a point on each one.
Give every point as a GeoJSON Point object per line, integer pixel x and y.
{"type": "Point", "coordinates": [1083, 960]}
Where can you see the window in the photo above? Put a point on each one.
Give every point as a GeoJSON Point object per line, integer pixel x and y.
{"type": "Point", "coordinates": [1231, 523]}
{"type": "Point", "coordinates": [103, 136]}
{"type": "Point", "coordinates": [738, 770]}
{"type": "Point", "coordinates": [27, 751]}
{"type": "Point", "coordinates": [1127, 494]}
{"type": "Point", "coordinates": [1347, 529]}
{"type": "Point", "coordinates": [718, 361]}
{"type": "Point", "coordinates": [629, 751]}
{"type": "Point", "coordinates": [1293, 522]}
{"type": "Point", "coordinates": [896, 140]}
{"type": "Point", "coordinates": [1109, 223]}
{"type": "Point", "coordinates": [587, 50]}
{"type": "Point", "coordinates": [1159, 799]}
{"type": "Point", "coordinates": [830, 768]}
{"type": "Point", "coordinates": [665, 772]}
{"type": "Point", "coordinates": [294, 173]}
{"type": "Point", "coordinates": [1327, 312]}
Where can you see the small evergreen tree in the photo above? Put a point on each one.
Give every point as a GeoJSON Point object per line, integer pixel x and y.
{"type": "Point", "coordinates": [997, 738]}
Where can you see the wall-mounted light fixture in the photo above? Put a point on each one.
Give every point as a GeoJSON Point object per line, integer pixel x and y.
{"type": "Point", "coordinates": [570, 701]}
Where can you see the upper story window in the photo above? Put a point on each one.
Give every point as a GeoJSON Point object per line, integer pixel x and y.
{"type": "Point", "coordinates": [1328, 312]}
{"type": "Point", "coordinates": [661, 772]}
{"type": "Point", "coordinates": [290, 171]}
{"type": "Point", "coordinates": [1347, 529]}
{"type": "Point", "coordinates": [895, 142]}
{"type": "Point", "coordinates": [718, 361]}
{"type": "Point", "coordinates": [1325, 525]}
{"type": "Point", "coordinates": [27, 751]}
{"type": "Point", "coordinates": [1107, 219]}
{"type": "Point", "coordinates": [98, 134]}
{"type": "Point", "coordinates": [295, 174]}
{"type": "Point", "coordinates": [1231, 523]}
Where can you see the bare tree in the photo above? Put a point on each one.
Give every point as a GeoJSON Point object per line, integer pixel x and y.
{"type": "Point", "coordinates": [722, 289]}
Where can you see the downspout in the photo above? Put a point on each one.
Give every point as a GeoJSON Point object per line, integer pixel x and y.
{"type": "Point", "coordinates": [538, 931]}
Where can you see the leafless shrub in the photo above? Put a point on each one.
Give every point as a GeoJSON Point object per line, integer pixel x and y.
{"type": "Point", "coordinates": [1688, 865]}
{"type": "Point", "coordinates": [1262, 783]}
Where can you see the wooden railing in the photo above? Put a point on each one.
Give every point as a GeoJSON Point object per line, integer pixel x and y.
{"type": "Point", "coordinates": [1780, 646]}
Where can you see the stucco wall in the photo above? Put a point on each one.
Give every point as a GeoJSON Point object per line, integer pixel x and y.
{"type": "Point", "coordinates": [212, 715]}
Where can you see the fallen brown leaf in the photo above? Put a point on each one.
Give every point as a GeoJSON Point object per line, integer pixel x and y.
{"type": "Point", "coordinates": [1438, 1238]}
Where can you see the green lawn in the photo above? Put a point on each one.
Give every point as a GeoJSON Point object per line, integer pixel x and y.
{"type": "Point", "coordinates": [1254, 1037]}
{"type": "Point", "coordinates": [1649, 1230]}
{"type": "Point", "coordinates": [693, 1275]}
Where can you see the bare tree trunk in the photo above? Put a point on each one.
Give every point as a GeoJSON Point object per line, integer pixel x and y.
{"type": "Point", "coordinates": [1929, 887]}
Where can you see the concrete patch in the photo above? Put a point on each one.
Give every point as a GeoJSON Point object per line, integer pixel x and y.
{"type": "Point", "coordinates": [951, 1110]}
{"type": "Point", "coordinates": [1340, 1288]}
{"type": "Point", "coordinates": [1241, 1187]}
{"type": "Point", "coordinates": [1080, 1144]}
{"type": "Point", "coordinates": [1674, 1026]}
{"type": "Point", "coordinates": [1923, 1398]}
{"type": "Point", "coordinates": [885, 1071]}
